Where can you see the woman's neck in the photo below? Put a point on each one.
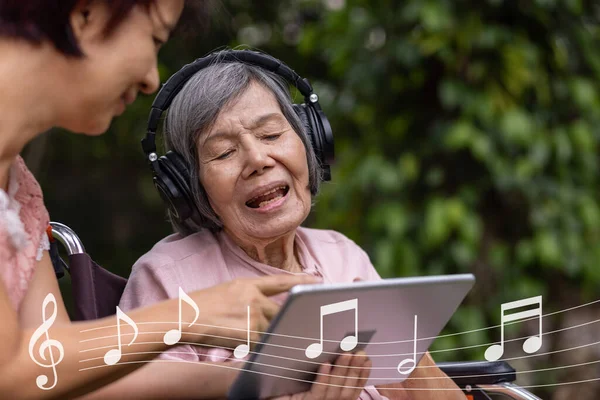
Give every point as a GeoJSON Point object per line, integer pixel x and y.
{"type": "Point", "coordinates": [279, 252]}
{"type": "Point", "coordinates": [25, 80]}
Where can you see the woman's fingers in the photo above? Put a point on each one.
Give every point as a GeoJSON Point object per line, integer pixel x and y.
{"type": "Point", "coordinates": [269, 308]}
{"type": "Point", "coordinates": [365, 373]}
{"type": "Point", "coordinates": [357, 375]}
{"type": "Point", "coordinates": [339, 373]}
{"type": "Point", "coordinates": [275, 284]}
{"type": "Point", "coordinates": [344, 380]}
{"type": "Point", "coordinates": [261, 317]}
{"type": "Point", "coordinates": [320, 386]}
{"type": "Point", "coordinates": [353, 383]}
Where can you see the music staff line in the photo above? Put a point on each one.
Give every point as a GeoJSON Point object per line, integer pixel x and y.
{"type": "Point", "coordinates": [226, 359]}
{"type": "Point", "coordinates": [370, 356]}
{"type": "Point", "coordinates": [217, 365]}
{"type": "Point", "coordinates": [311, 339]}
{"type": "Point", "coordinates": [392, 342]}
{"type": "Point", "coordinates": [389, 342]}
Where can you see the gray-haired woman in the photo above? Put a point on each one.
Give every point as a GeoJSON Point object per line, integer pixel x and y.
{"type": "Point", "coordinates": [254, 175]}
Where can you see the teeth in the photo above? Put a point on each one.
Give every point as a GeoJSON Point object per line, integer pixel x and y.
{"type": "Point", "coordinates": [267, 193]}
{"type": "Point", "coordinates": [264, 203]}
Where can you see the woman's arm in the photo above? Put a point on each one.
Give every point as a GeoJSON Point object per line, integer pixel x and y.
{"type": "Point", "coordinates": [170, 379]}
{"type": "Point", "coordinates": [221, 306]}
{"type": "Point", "coordinates": [156, 379]}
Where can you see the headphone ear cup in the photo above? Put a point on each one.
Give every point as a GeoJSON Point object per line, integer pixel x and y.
{"type": "Point", "coordinates": [173, 183]}
{"type": "Point", "coordinates": [180, 170]}
{"type": "Point", "coordinates": [301, 111]}
{"type": "Point", "coordinates": [321, 137]}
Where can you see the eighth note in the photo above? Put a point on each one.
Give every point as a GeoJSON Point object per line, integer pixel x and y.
{"type": "Point", "coordinates": [113, 356]}
{"type": "Point", "coordinates": [412, 360]}
{"type": "Point", "coordinates": [174, 335]}
{"type": "Point", "coordinates": [349, 342]}
{"type": "Point", "coordinates": [533, 343]}
{"type": "Point", "coordinates": [242, 350]}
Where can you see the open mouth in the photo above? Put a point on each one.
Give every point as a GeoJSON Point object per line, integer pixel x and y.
{"type": "Point", "coordinates": [268, 197]}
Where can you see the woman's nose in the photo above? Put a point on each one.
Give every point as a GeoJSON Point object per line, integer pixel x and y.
{"type": "Point", "coordinates": [258, 160]}
{"type": "Point", "coordinates": [151, 81]}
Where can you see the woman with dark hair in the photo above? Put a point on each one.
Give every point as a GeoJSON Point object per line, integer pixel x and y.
{"type": "Point", "coordinates": [75, 65]}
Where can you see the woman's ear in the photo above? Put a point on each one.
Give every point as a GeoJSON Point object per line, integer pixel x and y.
{"type": "Point", "coordinates": [88, 18]}
{"type": "Point", "coordinates": [80, 18]}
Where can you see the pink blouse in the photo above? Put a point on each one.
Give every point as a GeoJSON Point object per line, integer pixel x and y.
{"type": "Point", "coordinates": [23, 223]}
{"type": "Point", "coordinates": [204, 259]}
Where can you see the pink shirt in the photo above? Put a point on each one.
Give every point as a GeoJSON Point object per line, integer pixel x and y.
{"type": "Point", "coordinates": [204, 259]}
{"type": "Point", "coordinates": [23, 223]}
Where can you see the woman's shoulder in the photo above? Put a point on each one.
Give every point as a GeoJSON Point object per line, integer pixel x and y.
{"type": "Point", "coordinates": [23, 220]}
{"type": "Point", "coordinates": [175, 247]}
{"type": "Point", "coordinates": [190, 263]}
{"type": "Point", "coordinates": [25, 189]}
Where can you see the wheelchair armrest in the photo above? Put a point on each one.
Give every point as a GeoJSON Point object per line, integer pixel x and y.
{"type": "Point", "coordinates": [478, 372]}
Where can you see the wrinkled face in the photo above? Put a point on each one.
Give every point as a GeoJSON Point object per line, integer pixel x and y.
{"type": "Point", "coordinates": [254, 170]}
{"type": "Point", "coordinates": [115, 68]}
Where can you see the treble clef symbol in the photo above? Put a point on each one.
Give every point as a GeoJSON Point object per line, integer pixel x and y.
{"type": "Point", "coordinates": [47, 344]}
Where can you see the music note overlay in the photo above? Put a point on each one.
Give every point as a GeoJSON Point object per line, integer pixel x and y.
{"type": "Point", "coordinates": [174, 335]}
{"type": "Point", "coordinates": [47, 344]}
{"type": "Point", "coordinates": [412, 360]}
{"type": "Point", "coordinates": [113, 356]}
{"type": "Point", "coordinates": [243, 350]}
{"type": "Point", "coordinates": [533, 343]}
{"type": "Point", "coordinates": [349, 342]}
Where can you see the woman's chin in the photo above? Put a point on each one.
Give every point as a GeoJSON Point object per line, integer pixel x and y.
{"type": "Point", "coordinates": [272, 229]}
{"type": "Point", "coordinates": [89, 129]}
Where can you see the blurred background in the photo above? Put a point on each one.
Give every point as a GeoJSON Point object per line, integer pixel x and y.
{"type": "Point", "coordinates": [467, 136]}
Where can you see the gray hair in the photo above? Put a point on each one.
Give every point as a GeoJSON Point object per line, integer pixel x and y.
{"type": "Point", "coordinates": [195, 109]}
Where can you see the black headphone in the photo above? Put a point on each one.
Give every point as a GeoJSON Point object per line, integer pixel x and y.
{"type": "Point", "coordinates": [171, 173]}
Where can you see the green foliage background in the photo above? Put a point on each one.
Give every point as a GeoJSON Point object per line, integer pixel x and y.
{"type": "Point", "coordinates": [466, 141]}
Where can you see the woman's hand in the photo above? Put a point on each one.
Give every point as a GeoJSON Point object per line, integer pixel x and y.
{"type": "Point", "coordinates": [225, 308]}
{"type": "Point", "coordinates": [344, 380]}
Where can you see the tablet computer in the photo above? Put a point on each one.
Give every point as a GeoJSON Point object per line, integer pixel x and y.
{"type": "Point", "coordinates": [393, 320]}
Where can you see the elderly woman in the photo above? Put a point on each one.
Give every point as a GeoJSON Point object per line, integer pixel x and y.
{"type": "Point", "coordinates": [254, 175]}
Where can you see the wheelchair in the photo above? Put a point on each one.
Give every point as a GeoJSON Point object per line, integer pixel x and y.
{"type": "Point", "coordinates": [96, 293]}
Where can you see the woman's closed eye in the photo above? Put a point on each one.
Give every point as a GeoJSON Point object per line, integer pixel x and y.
{"type": "Point", "coordinates": [271, 137]}
{"type": "Point", "coordinates": [224, 155]}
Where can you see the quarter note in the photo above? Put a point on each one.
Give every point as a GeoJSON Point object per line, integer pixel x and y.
{"type": "Point", "coordinates": [113, 356]}
{"type": "Point", "coordinates": [349, 342]}
{"type": "Point", "coordinates": [47, 344]}
{"type": "Point", "coordinates": [412, 360]}
{"type": "Point", "coordinates": [174, 335]}
{"type": "Point", "coordinates": [243, 350]}
{"type": "Point", "coordinates": [533, 343]}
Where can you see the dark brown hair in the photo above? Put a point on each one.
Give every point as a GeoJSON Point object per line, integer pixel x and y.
{"type": "Point", "coordinates": [39, 20]}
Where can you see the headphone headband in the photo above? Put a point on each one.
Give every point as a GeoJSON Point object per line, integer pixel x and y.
{"type": "Point", "coordinates": [175, 83]}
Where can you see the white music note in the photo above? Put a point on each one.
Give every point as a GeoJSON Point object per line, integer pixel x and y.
{"type": "Point", "coordinates": [412, 360]}
{"type": "Point", "coordinates": [349, 342]}
{"type": "Point", "coordinates": [533, 343]}
{"type": "Point", "coordinates": [243, 350]}
{"type": "Point", "coordinates": [174, 335]}
{"type": "Point", "coordinates": [47, 344]}
{"type": "Point", "coordinates": [113, 356]}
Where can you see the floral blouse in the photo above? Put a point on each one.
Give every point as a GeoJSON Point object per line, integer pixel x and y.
{"type": "Point", "coordinates": [23, 223]}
